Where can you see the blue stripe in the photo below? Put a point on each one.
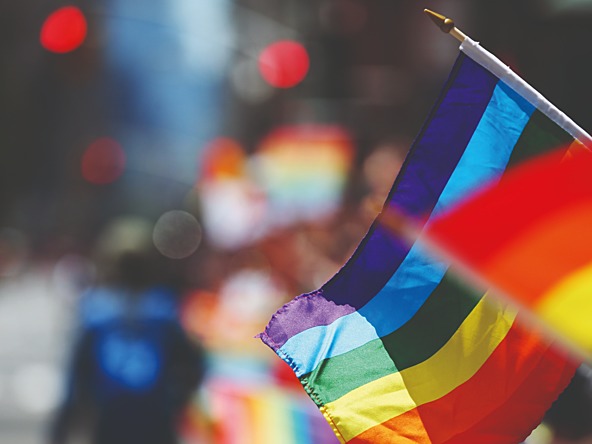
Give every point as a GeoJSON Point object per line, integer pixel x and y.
{"type": "Point", "coordinates": [310, 347]}
{"type": "Point", "coordinates": [485, 158]}
{"type": "Point", "coordinates": [427, 169]}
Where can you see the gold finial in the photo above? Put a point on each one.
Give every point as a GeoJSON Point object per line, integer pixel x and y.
{"type": "Point", "coordinates": [446, 25]}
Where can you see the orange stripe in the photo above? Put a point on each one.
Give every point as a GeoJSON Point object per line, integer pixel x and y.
{"type": "Point", "coordinates": [522, 364]}
{"type": "Point", "coordinates": [575, 149]}
{"type": "Point", "coordinates": [407, 428]}
{"type": "Point", "coordinates": [532, 263]}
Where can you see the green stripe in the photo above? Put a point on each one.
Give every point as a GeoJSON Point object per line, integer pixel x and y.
{"type": "Point", "coordinates": [540, 135]}
{"type": "Point", "coordinates": [433, 325]}
{"type": "Point", "coordinates": [336, 376]}
{"type": "Point", "coordinates": [435, 322]}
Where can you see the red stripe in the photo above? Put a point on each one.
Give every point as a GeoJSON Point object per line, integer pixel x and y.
{"type": "Point", "coordinates": [489, 431]}
{"type": "Point", "coordinates": [532, 191]}
{"type": "Point", "coordinates": [502, 403]}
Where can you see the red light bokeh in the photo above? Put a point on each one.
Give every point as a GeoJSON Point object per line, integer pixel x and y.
{"type": "Point", "coordinates": [284, 64]}
{"type": "Point", "coordinates": [64, 30]}
{"type": "Point", "coordinates": [103, 161]}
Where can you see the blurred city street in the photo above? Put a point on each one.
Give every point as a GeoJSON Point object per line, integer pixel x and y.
{"type": "Point", "coordinates": [237, 151]}
{"type": "Point", "coordinates": [36, 319]}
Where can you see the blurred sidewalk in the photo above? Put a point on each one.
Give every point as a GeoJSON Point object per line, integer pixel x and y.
{"type": "Point", "coordinates": [35, 322]}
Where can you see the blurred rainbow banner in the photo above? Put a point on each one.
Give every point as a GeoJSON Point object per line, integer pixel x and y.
{"type": "Point", "coordinates": [393, 348]}
{"type": "Point", "coordinates": [267, 416]}
{"type": "Point", "coordinates": [529, 237]}
{"type": "Point", "coordinates": [236, 413]}
{"type": "Point", "coordinates": [303, 170]}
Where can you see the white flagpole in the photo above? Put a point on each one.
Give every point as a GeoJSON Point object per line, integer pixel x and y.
{"type": "Point", "coordinates": [490, 62]}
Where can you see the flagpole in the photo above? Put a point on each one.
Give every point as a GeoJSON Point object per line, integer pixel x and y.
{"type": "Point", "coordinates": [446, 25]}
{"type": "Point", "coordinates": [503, 72]}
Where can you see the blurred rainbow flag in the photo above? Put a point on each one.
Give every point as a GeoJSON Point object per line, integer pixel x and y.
{"type": "Point", "coordinates": [393, 348]}
{"type": "Point", "coordinates": [232, 412]}
{"type": "Point", "coordinates": [266, 416]}
{"type": "Point", "coordinates": [529, 238]}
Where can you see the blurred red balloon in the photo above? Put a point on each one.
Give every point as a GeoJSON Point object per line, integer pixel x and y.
{"type": "Point", "coordinates": [64, 30]}
{"type": "Point", "coordinates": [284, 64]}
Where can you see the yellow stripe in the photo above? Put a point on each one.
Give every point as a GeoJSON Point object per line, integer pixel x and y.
{"type": "Point", "coordinates": [455, 363]}
{"type": "Point", "coordinates": [567, 307]}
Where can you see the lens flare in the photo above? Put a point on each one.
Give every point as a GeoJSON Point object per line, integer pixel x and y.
{"type": "Point", "coordinates": [177, 234]}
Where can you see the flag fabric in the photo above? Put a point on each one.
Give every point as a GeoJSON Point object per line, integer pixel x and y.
{"type": "Point", "coordinates": [529, 237]}
{"type": "Point", "coordinates": [393, 349]}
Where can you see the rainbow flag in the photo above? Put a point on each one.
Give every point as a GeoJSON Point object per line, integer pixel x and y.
{"type": "Point", "coordinates": [529, 238]}
{"type": "Point", "coordinates": [393, 349]}
{"type": "Point", "coordinates": [264, 415]}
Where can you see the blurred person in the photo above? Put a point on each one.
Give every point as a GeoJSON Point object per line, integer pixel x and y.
{"type": "Point", "coordinates": [133, 368]}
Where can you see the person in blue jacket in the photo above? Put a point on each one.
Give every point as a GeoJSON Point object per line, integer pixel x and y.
{"type": "Point", "coordinates": [133, 368]}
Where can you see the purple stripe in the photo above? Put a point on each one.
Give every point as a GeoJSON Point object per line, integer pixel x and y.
{"type": "Point", "coordinates": [305, 311]}
{"type": "Point", "coordinates": [429, 165]}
